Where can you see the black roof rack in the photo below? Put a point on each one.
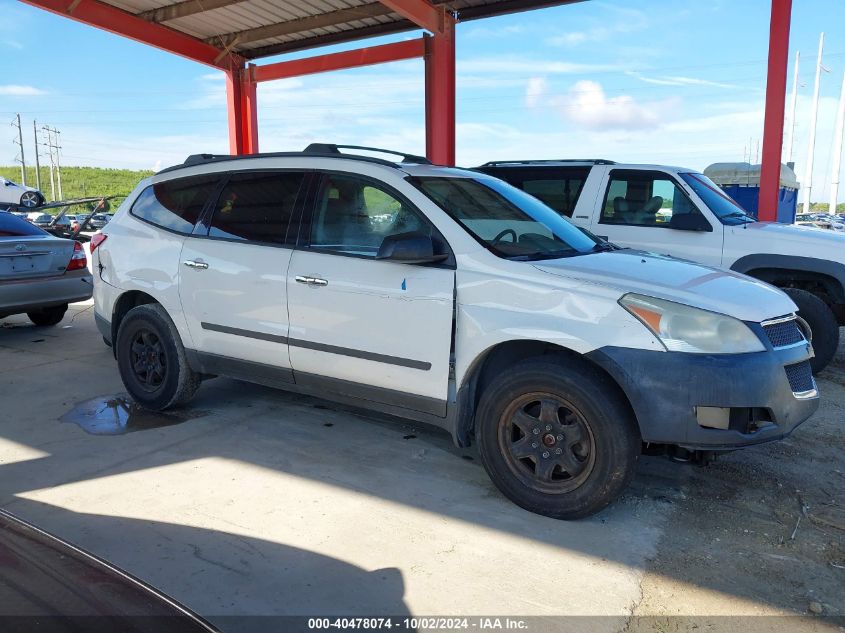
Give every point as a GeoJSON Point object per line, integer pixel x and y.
{"type": "Point", "coordinates": [324, 150]}
{"type": "Point", "coordinates": [594, 161]}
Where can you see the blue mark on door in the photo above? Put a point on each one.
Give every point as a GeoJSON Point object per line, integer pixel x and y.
{"type": "Point", "coordinates": [404, 285]}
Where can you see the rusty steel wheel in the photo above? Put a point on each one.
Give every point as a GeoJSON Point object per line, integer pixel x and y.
{"type": "Point", "coordinates": [547, 443]}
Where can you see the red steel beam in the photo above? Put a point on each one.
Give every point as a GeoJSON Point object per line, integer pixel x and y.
{"type": "Point", "coordinates": [775, 105]}
{"type": "Point", "coordinates": [440, 96]}
{"type": "Point", "coordinates": [250, 110]}
{"type": "Point", "coordinates": [121, 22]}
{"type": "Point", "coordinates": [242, 110]}
{"type": "Point", "coordinates": [421, 12]}
{"type": "Point", "coordinates": [339, 61]}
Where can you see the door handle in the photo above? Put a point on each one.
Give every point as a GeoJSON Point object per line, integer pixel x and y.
{"type": "Point", "coordinates": [194, 264]}
{"type": "Point", "coordinates": [311, 281]}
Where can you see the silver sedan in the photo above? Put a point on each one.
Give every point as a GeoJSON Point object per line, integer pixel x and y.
{"type": "Point", "coordinates": [39, 274]}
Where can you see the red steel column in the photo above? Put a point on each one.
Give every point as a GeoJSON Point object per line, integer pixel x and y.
{"type": "Point", "coordinates": [249, 110]}
{"type": "Point", "coordinates": [440, 95]}
{"type": "Point", "coordinates": [775, 105]}
{"type": "Point", "coordinates": [234, 107]}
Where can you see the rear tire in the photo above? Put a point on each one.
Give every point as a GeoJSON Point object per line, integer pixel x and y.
{"type": "Point", "coordinates": [152, 360]}
{"type": "Point", "coordinates": [31, 200]}
{"type": "Point", "coordinates": [48, 316]}
{"type": "Point", "coordinates": [557, 437]}
{"type": "Point", "coordinates": [822, 323]}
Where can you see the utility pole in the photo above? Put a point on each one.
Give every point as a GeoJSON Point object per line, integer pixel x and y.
{"type": "Point", "coordinates": [837, 151]}
{"type": "Point", "coordinates": [37, 164]}
{"type": "Point", "coordinates": [49, 146]}
{"type": "Point", "coordinates": [792, 104]}
{"type": "Point", "coordinates": [17, 123]}
{"type": "Point", "coordinates": [808, 174]}
{"type": "Point", "coordinates": [58, 163]}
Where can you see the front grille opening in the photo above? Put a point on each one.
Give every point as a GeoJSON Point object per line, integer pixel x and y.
{"type": "Point", "coordinates": [784, 334]}
{"type": "Point", "coordinates": [800, 377]}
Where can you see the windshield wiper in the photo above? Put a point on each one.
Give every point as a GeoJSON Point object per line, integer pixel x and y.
{"type": "Point", "coordinates": [738, 214]}
{"type": "Point", "coordinates": [604, 246]}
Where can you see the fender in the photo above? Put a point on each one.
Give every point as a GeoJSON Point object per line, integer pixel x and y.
{"type": "Point", "coordinates": [834, 270]}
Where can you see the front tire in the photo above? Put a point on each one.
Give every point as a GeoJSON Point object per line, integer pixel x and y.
{"type": "Point", "coordinates": [557, 437]}
{"type": "Point", "coordinates": [152, 360]}
{"type": "Point", "coordinates": [48, 316]}
{"type": "Point", "coordinates": [822, 324]}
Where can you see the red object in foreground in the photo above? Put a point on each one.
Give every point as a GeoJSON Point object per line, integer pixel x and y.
{"type": "Point", "coordinates": [775, 106]}
{"type": "Point", "coordinates": [440, 96]}
{"type": "Point", "coordinates": [96, 240]}
{"type": "Point", "coordinates": [78, 259]}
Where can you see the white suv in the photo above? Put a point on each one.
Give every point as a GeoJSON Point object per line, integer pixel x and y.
{"type": "Point", "coordinates": [449, 297]}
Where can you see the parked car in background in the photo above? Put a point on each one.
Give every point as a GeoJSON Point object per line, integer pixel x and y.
{"type": "Point", "coordinates": [11, 193]}
{"type": "Point", "coordinates": [98, 221]}
{"type": "Point", "coordinates": [40, 274]}
{"type": "Point", "coordinates": [449, 297]}
{"type": "Point", "coordinates": [47, 584]}
{"type": "Point", "coordinates": [682, 213]}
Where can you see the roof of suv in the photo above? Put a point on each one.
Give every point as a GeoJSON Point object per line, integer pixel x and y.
{"type": "Point", "coordinates": [589, 162]}
{"type": "Point", "coordinates": [409, 163]}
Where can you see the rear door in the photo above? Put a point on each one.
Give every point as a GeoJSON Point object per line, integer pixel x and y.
{"type": "Point", "coordinates": [649, 210]}
{"type": "Point", "coordinates": [377, 330]}
{"type": "Point", "coordinates": [232, 278]}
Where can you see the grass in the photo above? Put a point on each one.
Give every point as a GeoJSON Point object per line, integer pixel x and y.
{"type": "Point", "coordinates": [80, 182]}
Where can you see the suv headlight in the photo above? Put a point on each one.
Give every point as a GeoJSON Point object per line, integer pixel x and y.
{"type": "Point", "coordinates": [682, 328]}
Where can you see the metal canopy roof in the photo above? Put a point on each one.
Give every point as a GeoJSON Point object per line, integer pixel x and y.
{"type": "Point", "coordinates": [258, 28]}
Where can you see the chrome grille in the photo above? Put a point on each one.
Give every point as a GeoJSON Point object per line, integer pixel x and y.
{"type": "Point", "coordinates": [800, 377]}
{"type": "Point", "coordinates": [783, 333]}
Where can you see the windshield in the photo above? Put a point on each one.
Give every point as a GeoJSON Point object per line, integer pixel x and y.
{"type": "Point", "coordinates": [721, 204]}
{"type": "Point", "coordinates": [506, 220]}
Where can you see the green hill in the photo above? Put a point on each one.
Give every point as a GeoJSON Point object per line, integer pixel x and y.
{"type": "Point", "coordinates": [79, 182]}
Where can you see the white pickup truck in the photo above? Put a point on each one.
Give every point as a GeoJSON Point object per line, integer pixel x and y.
{"type": "Point", "coordinates": [680, 212]}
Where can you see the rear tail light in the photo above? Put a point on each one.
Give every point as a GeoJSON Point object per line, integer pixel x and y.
{"type": "Point", "coordinates": [78, 259]}
{"type": "Point", "coordinates": [96, 240]}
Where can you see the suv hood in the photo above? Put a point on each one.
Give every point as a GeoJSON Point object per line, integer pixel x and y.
{"type": "Point", "coordinates": [788, 239]}
{"type": "Point", "coordinates": [676, 280]}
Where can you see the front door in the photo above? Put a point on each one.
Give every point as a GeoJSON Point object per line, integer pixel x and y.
{"type": "Point", "coordinates": [648, 210]}
{"type": "Point", "coordinates": [232, 281]}
{"type": "Point", "coordinates": [377, 330]}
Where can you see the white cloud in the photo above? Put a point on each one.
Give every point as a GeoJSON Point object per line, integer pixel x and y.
{"type": "Point", "coordinates": [587, 105]}
{"type": "Point", "coordinates": [676, 80]}
{"type": "Point", "coordinates": [536, 89]}
{"type": "Point", "coordinates": [12, 90]}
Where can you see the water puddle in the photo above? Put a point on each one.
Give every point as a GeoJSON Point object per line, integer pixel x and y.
{"type": "Point", "coordinates": [116, 415]}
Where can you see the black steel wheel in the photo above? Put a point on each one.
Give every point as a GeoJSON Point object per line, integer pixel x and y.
{"type": "Point", "coordinates": [149, 362]}
{"type": "Point", "coordinates": [557, 436]}
{"type": "Point", "coordinates": [48, 316]}
{"type": "Point", "coordinates": [152, 360]}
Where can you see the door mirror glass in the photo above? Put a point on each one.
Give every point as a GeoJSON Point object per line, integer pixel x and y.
{"type": "Point", "coordinates": [409, 248]}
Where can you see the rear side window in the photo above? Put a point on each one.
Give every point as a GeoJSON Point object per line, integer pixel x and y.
{"type": "Point", "coordinates": [174, 204]}
{"type": "Point", "coordinates": [256, 207]}
{"type": "Point", "coordinates": [558, 187]}
{"type": "Point", "coordinates": [13, 226]}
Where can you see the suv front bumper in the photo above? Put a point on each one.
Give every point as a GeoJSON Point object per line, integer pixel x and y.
{"type": "Point", "coordinates": [672, 393]}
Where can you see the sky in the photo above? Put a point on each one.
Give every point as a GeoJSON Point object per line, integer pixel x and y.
{"type": "Point", "coordinates": [657, 81]}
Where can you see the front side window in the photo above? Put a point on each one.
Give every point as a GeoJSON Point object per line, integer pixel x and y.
{"type": "Point", "coordinates": [256, 206]}
{"type": "Point", "coordinates": [174, 204]}
{"type": "Point", "coordinates": [506, 220]}
{"type": "Point", "coordinates": [721, 204]}
{"type": "Point", "coordinates": [644, 198]}
{"type": "Point", "coordinates": [353, 216]}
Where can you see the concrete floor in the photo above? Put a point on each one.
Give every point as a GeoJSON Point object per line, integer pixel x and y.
{"type": "Point", "coordinates": [271, 503]}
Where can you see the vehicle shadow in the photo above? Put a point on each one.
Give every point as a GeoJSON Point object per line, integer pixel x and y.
{"type": "Point", "coordinates": [293, 581]}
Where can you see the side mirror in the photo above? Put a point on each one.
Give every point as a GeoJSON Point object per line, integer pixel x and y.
{"type": "Point", "coordinates": [409, 248]}
{"type": "Point", "coordinates": [690, 222]}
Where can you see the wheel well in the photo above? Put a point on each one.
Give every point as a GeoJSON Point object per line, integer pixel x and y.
{"type": "Point", "coordinates": [124, 304]}
{"type": "Point", "coordinates": [499, 358]}
{"type": "Point", "coordinates": [827, 288]}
